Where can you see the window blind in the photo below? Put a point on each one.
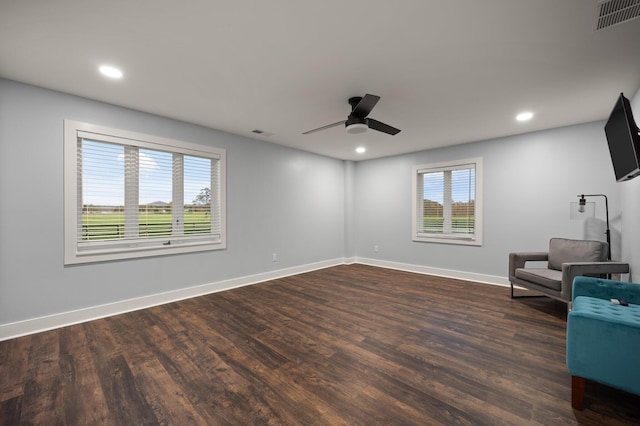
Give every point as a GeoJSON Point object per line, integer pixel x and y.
{"type": "Point", "coordinates": [102, 191]}
{"type": "Point", "coordinates": [447, 200]}
{"type": "Point", "coordinates": [134, 195]}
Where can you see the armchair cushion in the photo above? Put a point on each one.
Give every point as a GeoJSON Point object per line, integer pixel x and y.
{"type": "Point", "coordinates": [603, 310]}
{"type": "Point", "coordinates": [562, 250]}
{"type": "Point", "coordinates": [549, 278]}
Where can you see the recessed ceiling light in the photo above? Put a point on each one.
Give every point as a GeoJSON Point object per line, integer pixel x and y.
{"type": "Point", "coordinates": [524, 116]}
{"type": "Point", "coordinates": [361, 150]}
{"type": "Point", "coordinates": [111, 72]}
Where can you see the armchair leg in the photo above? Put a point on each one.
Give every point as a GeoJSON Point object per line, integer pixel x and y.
{"type": "Point", "coordinates": [577, 392]}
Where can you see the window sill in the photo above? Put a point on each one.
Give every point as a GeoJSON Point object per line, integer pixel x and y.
{"type": "Point", "coordinates": [448, 239]}
{"type": "Point", "coordinates": [134, 252]}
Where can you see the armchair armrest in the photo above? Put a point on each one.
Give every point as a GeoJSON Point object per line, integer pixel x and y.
{"type": "Point", "coordinates": [572, 270]}
{"type": "Point", "coordinates": [606, 289]}
{"type": "Point", "coordinates": [518, 260]}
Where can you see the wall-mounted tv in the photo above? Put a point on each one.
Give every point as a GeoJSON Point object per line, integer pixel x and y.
{"type": "Point", "coordinates": [624, 140]}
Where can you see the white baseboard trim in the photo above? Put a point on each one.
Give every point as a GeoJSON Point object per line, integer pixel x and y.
{"type": "Point", "coordinates": [439, 272]}
{"type": "Point", "coordinates": [64, 319]}
{"type": "Point", "coordinates": [50, 322]}
{"type": "Point", "coordinates": [350, 260]}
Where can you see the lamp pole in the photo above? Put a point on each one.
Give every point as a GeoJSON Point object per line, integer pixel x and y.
{"type": "Point", "coordinates": [606, 207]}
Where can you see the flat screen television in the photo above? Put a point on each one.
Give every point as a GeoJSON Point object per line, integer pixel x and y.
{"type": "Point", "coordinates": [624, 140]}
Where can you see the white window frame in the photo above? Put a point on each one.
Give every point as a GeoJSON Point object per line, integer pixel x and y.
{"type": "Point", "coordinates": [417, 205]}
{"type": "Point", "coordinates": [76, 252]}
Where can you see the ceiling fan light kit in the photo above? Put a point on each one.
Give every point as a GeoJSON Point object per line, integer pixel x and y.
{"type": "Point", "coordinates": [356, 128]}
{"type": "Point", "coordinates": [357, 121]}
{"type": "Point", "coordinates": [355, 125]}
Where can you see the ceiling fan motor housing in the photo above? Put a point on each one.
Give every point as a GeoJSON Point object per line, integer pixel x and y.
{"type": "Point", "coordinates": [354, 101]}
{"type": "Point", "coordinates": [357, 121]}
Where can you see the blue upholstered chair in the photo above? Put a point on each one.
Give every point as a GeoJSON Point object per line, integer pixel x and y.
{"type": "Point", "coordinates": [603, 338]}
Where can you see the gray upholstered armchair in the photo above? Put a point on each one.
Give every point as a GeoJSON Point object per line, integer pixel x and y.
{"type": "Point", "coordinates": [566, 259]}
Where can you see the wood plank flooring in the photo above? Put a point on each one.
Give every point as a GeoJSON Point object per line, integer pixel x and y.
{"type": "Point", "coordinates": [349, 345]}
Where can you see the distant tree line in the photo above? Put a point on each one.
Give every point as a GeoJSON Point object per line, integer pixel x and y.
{"type": "Point", "coordinates": [201, 203]}
{"type": "Point", "coordinates": [458, 208]}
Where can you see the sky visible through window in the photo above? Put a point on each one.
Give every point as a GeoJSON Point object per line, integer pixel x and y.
{"type": "Point", "coordinates": [434, 186]}
{"type": "Point", "coordinates": [103, 175]}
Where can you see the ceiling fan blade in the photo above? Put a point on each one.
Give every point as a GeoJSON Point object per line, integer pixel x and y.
{"type": "Point", "coordinates": [364, 107]}
{"type": "Point", "coordinates": [381, 127]}
{"type": "Point", "coordinates": [328, 126]}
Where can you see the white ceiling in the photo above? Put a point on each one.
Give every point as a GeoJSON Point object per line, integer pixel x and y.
{"type": "Point", "coordinates": [448, 72]}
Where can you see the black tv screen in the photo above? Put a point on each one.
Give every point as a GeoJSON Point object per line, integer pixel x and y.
{"type": "Point", "coordinates": [624, 140]}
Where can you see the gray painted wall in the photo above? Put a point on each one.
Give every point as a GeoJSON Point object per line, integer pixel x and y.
{"type": "Point", "coordinates": [278, 200]}
{"type": "Point", "coordinates": [349, 212]}
{"type": "Point", "coordinates": [630, 192]}
{"type": "Point", "coordinates": [529, 181]}
{"type": "Point", "coordinates": [305, 207]}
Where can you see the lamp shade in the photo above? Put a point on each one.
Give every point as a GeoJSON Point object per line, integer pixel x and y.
{"type": "Point", "coordinates": [582, 211]}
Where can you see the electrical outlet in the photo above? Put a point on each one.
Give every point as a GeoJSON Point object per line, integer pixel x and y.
{"type": "Point", "coordinates": [376, 248]}
{"type": "Point", "coordinates": [274, 257]}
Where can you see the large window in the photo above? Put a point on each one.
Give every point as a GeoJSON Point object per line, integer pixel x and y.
{"type": "Point", "coordinates": [132, 195]}
{"type": "Point", "coordinates": [447, 204]}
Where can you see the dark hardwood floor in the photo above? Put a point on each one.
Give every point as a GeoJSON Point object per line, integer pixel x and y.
{"type": "Point", "coordinates": [349, 345]}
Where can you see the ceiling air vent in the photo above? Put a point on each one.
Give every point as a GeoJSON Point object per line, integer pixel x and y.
{"type": "Point", "coordinates": [614, 12]}
{"type": "Point", "coordinates": [262, 132]}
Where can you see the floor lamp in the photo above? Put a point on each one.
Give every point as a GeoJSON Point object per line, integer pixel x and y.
{"type": "Point", "coordinates": [582, 210]}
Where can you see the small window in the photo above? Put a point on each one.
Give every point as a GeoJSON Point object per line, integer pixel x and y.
{"type": "Point", "coordinates": [448, 202]}
{"type": "Point", "coordinates": [130, 195]}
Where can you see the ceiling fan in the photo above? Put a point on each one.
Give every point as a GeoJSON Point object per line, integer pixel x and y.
{"type": "Point", "coordinates": [357, 121]}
